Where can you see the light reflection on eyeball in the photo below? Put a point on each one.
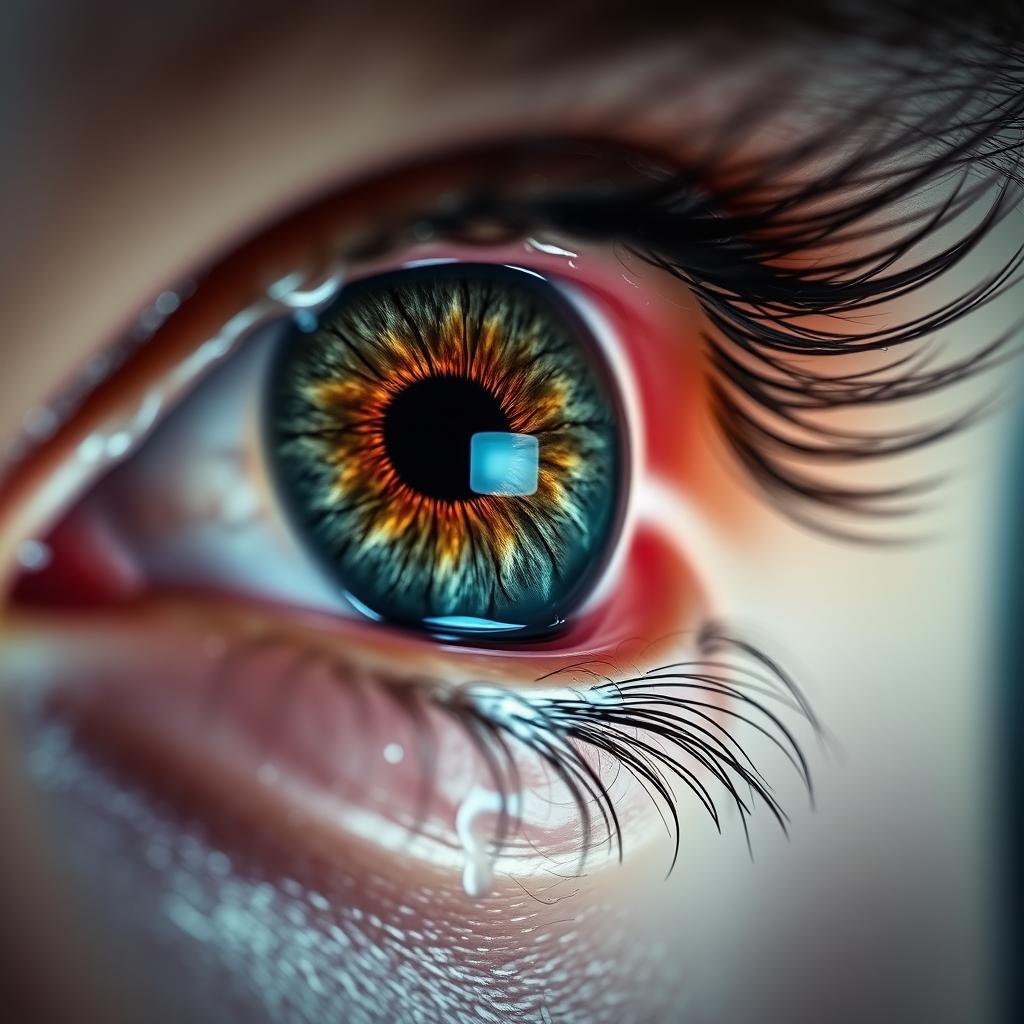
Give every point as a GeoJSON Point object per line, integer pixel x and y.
{"type": "Point", "coordinates": [448, 443]}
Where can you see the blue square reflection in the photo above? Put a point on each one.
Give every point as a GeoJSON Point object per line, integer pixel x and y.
{"type": "Point", "coordinates": [503, 464]}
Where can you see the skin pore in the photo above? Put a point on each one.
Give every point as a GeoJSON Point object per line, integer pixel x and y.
{"type": "Point", "coordinates": [141, 154]}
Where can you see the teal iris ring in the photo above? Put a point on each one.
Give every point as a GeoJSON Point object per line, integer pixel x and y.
{"type": "Point", "coordinates": [449, 443]}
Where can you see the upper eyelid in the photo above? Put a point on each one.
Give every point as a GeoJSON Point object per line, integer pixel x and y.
{"type": "Point", "coordinates": [111, 441]}
{"type": "Point", "coordinates": [455, 206]}
{"type": "Point", "coordinates": [44, 419]}
{"type": "Point", "coordinates": [654, 179]}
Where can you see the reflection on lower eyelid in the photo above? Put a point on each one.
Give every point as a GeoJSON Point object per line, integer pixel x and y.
{"type": "Point", "coordinates": [469, 777]}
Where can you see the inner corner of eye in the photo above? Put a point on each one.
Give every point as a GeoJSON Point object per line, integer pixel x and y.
{"type": "Point", "coordinates": [448, 443]}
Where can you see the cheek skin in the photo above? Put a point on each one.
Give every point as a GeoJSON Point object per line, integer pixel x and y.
{"type": "Point", "coordinates": [261, 901]}
{"type": "Point", "coordinates": [334, 934]}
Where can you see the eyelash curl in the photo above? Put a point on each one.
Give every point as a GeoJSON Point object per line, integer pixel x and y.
{"type": "Point", "coordinates": [757, 254]}
{"type": "Point", "coordinates": [674, 728]}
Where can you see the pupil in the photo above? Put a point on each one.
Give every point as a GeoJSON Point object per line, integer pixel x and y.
{"type": "Point", "coordinates": [427, 431]}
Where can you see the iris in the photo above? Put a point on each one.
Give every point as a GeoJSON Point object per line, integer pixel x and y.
{"type": "Point", "coordinates": [448, 442]}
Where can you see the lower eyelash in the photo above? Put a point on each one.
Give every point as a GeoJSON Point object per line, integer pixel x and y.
{"type": "Point", "coordinates": [674, 728]}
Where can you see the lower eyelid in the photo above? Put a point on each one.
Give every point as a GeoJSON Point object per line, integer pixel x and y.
{"type": "Point", "coordinates": [235, 716]}
{"type": "Point", "coordinates": [212, 715]}
{"type": "Point", "coordinates": [223, 721]}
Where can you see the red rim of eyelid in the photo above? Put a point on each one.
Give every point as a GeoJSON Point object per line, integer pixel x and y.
{"type": "Point", "coordinates": [657, 597]}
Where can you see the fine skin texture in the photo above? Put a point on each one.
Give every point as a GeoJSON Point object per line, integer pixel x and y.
{"type": "Point", "coordinates": [144, 878]}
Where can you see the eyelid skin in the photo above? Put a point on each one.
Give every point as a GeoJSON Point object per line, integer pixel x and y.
{"type": "Point", "coordinates": [274, 259]}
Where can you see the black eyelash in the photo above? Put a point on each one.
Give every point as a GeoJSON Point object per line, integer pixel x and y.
{"type": "Point", "coordinates": [736, 250]}
{"type": "Point", "coordinates": [660, 727]}
{"type": "Point", "coordinates": [674, 726]}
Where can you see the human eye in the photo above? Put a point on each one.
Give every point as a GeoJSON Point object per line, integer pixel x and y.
{"type": "Point", "coordinates": [432, 475]}
{"type": "Point", "coordinates": [380, 574]}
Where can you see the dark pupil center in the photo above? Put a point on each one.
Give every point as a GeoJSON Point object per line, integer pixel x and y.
{"type": "Point", "coordinates": [427, 428]}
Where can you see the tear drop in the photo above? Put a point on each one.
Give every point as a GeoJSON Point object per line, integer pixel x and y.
{"type": "Point", "coordinates": [474, 835]}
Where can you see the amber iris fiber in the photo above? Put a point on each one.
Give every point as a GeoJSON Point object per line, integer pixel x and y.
{"type": "Point", "coordinates": [371, 417]}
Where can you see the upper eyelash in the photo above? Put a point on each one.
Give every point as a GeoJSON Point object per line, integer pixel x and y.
{"type": "Point", "coordinates": [731, 249]}
{"type": "Point", "coordinates": [728, 247]}
{"type": "Point", "coordinates": [624, 718]}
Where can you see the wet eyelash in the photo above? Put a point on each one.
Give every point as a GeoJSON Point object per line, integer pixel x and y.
{"type": "Point", "coordinates": [674, 728]}
{"type": "Point", "coordinates": [747, 253]}
{"type": "Point", "coordinates": [660, 726]}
